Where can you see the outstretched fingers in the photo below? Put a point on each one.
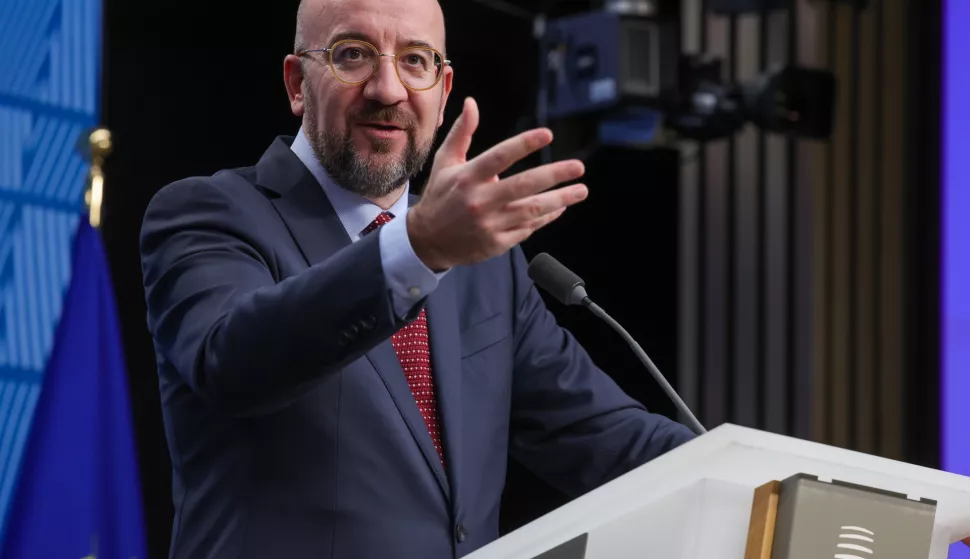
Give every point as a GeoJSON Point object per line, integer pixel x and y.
{"type": "Point", "coordinates": [539, 210]}
{"type": "Point", "coordinates": [539, 179]}
{"type": "Point", "coordinates": [500, 157]}
{"type": "Point", "coordinates": [454, 148]}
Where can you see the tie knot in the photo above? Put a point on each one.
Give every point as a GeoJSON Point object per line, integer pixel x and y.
{"type": "Point", "coordinates": [381, 219]}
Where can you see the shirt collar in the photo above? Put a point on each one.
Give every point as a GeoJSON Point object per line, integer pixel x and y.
{"type": "Point", "coordinates": [355, 211]}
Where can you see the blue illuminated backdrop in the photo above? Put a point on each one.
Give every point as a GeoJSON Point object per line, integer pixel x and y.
{"type": "Point", "coordinates": [49, 96]}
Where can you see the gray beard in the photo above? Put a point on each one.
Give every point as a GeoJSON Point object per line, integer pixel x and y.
{"type": "Point", "coordinates": [363, 176]}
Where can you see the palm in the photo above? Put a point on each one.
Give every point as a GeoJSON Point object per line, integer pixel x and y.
{"type": "Point", "coordinates": [469, 213]}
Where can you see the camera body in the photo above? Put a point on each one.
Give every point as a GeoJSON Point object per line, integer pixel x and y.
{"type": "Point", "coordinates": [601, 60]}
{"type": "Point", "coordinates": [625, 66]}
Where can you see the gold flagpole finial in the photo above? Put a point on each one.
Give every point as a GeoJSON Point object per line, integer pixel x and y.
{"type": "Point", "coordinates": [94, 548]}
{"type": "Point", "coordinates": [95, 147]}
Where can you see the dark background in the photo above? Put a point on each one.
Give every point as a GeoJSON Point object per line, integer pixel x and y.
{"type": "Point", "coordinates": [194, 87]}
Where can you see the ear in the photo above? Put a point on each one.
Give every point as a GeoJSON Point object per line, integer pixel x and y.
{"type": "Point", "coordinates": [293, 79]}
{"type": "Point", "coordinates": [446, 91]}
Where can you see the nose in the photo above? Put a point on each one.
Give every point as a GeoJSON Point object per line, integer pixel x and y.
{"type": "Point", "coordinates": [384, 86]}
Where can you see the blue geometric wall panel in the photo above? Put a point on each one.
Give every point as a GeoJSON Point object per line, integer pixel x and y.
{"type": "Point", "coordinates": [50, 58]}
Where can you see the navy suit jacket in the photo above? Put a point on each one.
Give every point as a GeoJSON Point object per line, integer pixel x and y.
{"type": "Point", "coordinates": [292, 429]}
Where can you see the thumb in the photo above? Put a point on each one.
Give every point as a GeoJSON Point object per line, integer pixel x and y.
{"type": "Point", "coordinates": [455, 147]}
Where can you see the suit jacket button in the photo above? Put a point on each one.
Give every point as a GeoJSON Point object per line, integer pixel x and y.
{"type": "Point", "coordinates": [345, 339]}
{"type": "Point", "coordinates": [460, 533]}
{"type": "Point", "coordinates": [350, 334]}
{"type": "Point", "coordinates": [368, 323]}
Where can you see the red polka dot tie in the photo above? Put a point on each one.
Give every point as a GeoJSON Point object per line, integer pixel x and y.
{"type": "Point", "coordinates": [414, 352]}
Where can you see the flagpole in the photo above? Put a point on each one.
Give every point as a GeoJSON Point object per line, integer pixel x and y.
{"type": "Point", "coordinates": [96, 147]}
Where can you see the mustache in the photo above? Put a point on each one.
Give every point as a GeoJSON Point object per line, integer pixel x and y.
{"type": "Point", "coordinates": [387, 113]}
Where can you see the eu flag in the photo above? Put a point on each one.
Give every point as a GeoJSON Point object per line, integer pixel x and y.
{"type": "Point", "coordinates": [78, 495]}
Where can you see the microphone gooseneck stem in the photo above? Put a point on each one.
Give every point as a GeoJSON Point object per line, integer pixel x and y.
{"type": "Point", "coordinates": [645, 359]}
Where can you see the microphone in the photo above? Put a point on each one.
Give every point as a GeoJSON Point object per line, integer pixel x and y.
{"type": "Point", "coordinates": [569, 289]}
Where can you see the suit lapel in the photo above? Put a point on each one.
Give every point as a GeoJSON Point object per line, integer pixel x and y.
{"type": "Point", "coordinates": [318, 231]}
{"type": "Point", "coordinates": [312, 221]}
{"type": "Point", "coordinates": [301, 203]}
{"type": "Point", "coordinates": [442, 311]}
{"type": "Point", "coordinates": [384, 359]}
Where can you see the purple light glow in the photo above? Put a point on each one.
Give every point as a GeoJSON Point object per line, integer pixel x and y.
{"type": "Point", "coordinates": [956, 239]}
{"type": "Point", "coordinates": [955, 311]}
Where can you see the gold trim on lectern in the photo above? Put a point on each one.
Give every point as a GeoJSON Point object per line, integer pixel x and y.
{"type": "Point", "coordinates": [764, 513]}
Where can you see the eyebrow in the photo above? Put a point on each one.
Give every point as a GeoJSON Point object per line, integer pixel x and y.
{"type": "Point", "coordinates": [358, 36]}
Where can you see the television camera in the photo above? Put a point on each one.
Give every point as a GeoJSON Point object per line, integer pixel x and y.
{"type": "Point", "coordinates": [624, 64]}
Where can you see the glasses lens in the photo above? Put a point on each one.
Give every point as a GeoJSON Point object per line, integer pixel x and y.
{"type": "Point", "coordinates": [353, 61]}
{"type": "Point", "coordinates": [419, 67]}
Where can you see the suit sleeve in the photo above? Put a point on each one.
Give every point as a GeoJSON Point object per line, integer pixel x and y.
{"type": "Point", "coordinates": [571, 423]}
{"type": "Point", "coordinates": [237, 336]}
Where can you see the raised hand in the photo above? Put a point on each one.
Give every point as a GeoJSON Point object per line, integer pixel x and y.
{"type": "Point", "coordinates": [468, 214]}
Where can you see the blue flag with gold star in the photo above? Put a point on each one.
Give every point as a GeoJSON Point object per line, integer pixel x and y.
{"type": "Point", "coordinates": [78, 494]}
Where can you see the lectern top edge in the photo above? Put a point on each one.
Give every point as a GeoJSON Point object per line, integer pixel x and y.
{"type": "Point", "coordinates": [745, 458]}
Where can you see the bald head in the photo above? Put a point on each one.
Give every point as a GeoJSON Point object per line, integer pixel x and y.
{"type": "Point", "coordinates": [303, 19]}
{"type": "Point", "coordinates": [311, 17]}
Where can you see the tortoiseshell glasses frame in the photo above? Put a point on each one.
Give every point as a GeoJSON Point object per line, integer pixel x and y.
{"type": "Point", "coordinates": [355, 71]}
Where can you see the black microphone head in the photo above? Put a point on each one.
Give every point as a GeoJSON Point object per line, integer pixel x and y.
{"type": "Point", "coordinates": [549, 274]}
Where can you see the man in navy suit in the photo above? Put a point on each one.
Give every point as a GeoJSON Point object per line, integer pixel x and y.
{"type": "Point", "coordinates": [345, 368]}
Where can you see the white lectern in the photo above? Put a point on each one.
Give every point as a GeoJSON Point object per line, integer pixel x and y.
{"type": "Point", "coordinates": [697, 502]}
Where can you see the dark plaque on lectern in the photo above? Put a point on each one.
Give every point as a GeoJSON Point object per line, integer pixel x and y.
{"type": "Point", "coordinates": [573, 549]}
{"type": "Point", "coordinates": [820, 519]}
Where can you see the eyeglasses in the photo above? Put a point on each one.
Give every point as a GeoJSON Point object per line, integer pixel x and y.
{"type": "Point", "coordinates": [354, 62]}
